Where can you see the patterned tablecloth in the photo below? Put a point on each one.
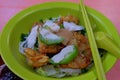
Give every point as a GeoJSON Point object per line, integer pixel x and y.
{"type": "Point", "coordinates": [110, 8]}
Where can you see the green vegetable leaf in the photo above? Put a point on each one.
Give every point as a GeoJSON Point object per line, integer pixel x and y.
{"type": "Point", "coordinates": [61, 26]}
{"type": "Point", "coordinates": [41, 71]}
{"type": "Point", "coordinates": [41, 20]}
{"type": "Point", "coordinates": [23, 37]}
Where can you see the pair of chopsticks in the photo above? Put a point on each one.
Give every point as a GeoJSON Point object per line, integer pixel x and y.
{"type": "Point", "coordinates": [93, 45]}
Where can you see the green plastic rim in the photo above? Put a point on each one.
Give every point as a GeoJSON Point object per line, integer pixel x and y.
{"type": "Point", "coordinates": [9, 41]}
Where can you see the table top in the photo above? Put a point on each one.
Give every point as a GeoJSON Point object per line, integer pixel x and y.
{"type": "Point", "coordinates": [110, 8]}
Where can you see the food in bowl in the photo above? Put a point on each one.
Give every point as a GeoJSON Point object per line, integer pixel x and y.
{"type": "Point", "coordinates": [57, 47]}
{"type": "Point", "coordinates": [22, 23]}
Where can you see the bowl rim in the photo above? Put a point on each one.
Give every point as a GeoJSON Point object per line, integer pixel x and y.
{"type": "Point", "coordinates": [5, 37]}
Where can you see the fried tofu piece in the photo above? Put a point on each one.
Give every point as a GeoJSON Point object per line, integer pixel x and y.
{"type": "Point", "coordinates": [50, 49]}
{"type": "Point", "coordinates": [68, 18]}
{"type": "Point", "coordinates": [35, 59]}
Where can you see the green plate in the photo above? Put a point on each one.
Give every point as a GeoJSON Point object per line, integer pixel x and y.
{"type": "Point", "coordinates": [23, 21]}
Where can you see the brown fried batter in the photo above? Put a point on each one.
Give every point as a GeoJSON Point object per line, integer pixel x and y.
{"type": "Point", "coordinates": [35, 59]}
{"type": "Point", "coordinates": [51, 49]}
{"type": "Point", "coordinates": [85, 56]}
{"type": "Point", "coordinates": [82, 41]}
{"type": "Point", "coordinates": [68, 18]}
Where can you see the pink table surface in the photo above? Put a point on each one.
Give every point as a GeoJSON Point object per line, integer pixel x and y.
{"type": "Point", "coordinates": [110, 8]}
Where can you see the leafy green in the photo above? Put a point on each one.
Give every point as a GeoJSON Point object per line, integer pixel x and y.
{"type": "Point", "coordinates": [41, 20]}
{"type": "Point", "coordinates": [46, 27]}
{"type": "Point", "coordinates": [57, 72]}
{"type": "Point", "coordinates": [36, 44]}
{"type": "Point", "coordinates": [50, 18]}
{"type": "Point", "coordinates": [61, 26]}
{"type": "Point", "coordinates": [83, 31]}
{"type": "Point", "coordinates": [84, 70]}
{"type": "Point", "coordinates": [23, 37]}
{"type": "Point", "coordinates": [41, 71]}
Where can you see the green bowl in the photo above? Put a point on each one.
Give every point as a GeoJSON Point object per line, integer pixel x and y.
{"type": "Point", "coordinates": [23, 21]}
